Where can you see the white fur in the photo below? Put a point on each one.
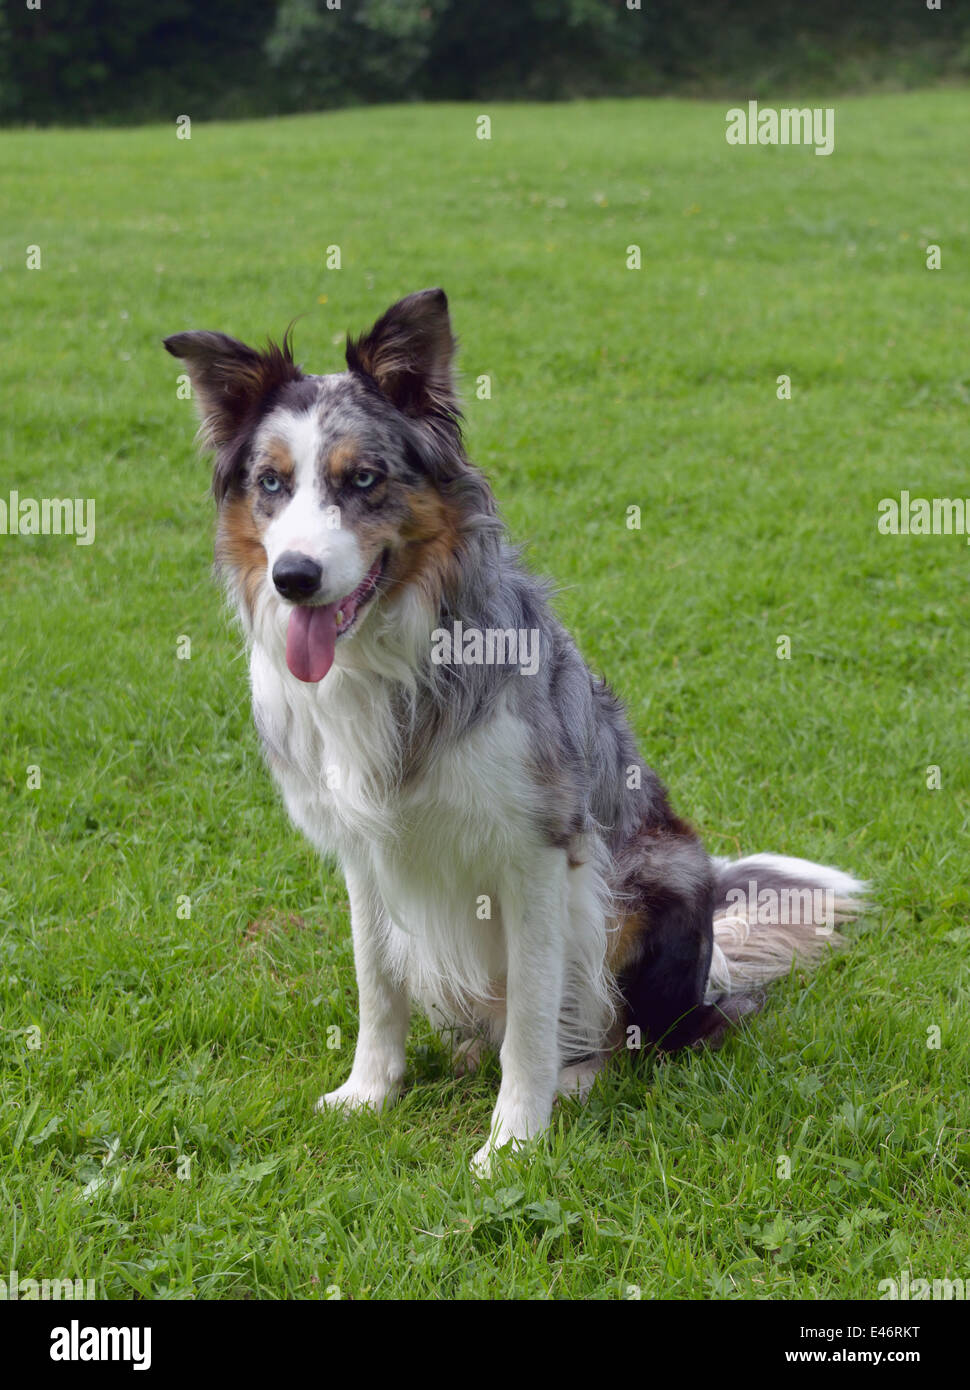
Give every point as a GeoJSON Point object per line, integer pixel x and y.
{"type": "Point", "coordinates": [748, 953]}
{"type": "Point", "coordinates": [424, 865]}
{"type": "Point", "coordinates": [802, 871]}
{"type": "Point", "coordinates": [300, 524]}
{"type": "Point", "coordinates": [456, 901]}
{"type": "Point", "coordinates": [420, 860]}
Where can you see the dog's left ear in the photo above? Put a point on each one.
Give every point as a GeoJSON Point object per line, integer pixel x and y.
{"type": "Point", "coordinates": [231, 380]}
{"type": "Point", "coordinates": [409, 353]}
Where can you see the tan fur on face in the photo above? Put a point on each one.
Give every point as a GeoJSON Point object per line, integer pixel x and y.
{"type": "Point", "coordinates": [239, 547]}
{"type": "Point", "coordinates": [423, 546]}
{"type": "Point", "coordinates": [341, 462]}
{"type": "Point", "coordinates": [431, 535]}
{"type": "Point", "coordinates": [239, 544]}
{"type": "Point", "coordinates": [276, 453]}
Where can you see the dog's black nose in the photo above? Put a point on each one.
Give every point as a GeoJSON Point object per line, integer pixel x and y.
{"type": "Point", "coordinates": [296, 576]}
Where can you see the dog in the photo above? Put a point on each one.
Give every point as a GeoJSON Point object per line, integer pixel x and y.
{"type": "Point", "coordinates": [513, 866]}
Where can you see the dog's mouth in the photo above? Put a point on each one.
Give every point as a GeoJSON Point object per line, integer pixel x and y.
{"type": "Point", "coordinates": [312, 633]}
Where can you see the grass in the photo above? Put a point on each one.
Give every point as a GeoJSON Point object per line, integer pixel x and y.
{"type": "Point", "coordinates": [136, 1037]}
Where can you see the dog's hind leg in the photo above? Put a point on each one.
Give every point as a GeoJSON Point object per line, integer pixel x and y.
{"type": "Point", "coordinates": [466, 1051]}
{"type": "Point", "coordinates": [576, 1081]}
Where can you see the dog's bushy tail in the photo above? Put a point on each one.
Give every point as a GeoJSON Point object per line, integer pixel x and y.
{"type": "Point", "coordinates": [773, 912]}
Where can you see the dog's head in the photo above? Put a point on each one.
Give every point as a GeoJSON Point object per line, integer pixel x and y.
{"type": "Point", "coordinates": [335, 493]}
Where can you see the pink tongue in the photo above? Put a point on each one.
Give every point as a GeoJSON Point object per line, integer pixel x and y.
{"type": "Point", "coordinates": [310, 640]}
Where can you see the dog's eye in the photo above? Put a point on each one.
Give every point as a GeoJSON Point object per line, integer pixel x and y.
{"type": "Point", "coordinates": [366, 478]}
{"type": "Point", "coordinates": [271, 483]}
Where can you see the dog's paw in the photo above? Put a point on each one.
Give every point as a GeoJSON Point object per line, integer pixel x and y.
{"type": "Point", "coordinates": [352, 1095]}
{"type": "Point", "coordinates": [481, 1164]}
{"type": "Point", "coordinates": [507, 1138]}
{"type": "Point", "coordinates": [522, 1114]}
{"type": "Point", "coordinates": [576, 1081]}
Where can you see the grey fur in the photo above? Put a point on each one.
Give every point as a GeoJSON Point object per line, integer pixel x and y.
{"type": "Point", "coordinates": [583, 747]}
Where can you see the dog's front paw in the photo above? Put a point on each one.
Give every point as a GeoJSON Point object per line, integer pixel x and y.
{"type": "Point", "coordinates": [512, 1127]}
{"type": "Point", "coordinates": [355, 1095]}
{"type": "Point", "coordinates": [481, 1164]}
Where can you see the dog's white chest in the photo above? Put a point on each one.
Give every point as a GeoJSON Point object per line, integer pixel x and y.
{"type": "Point", "coordinates": [438, 847]}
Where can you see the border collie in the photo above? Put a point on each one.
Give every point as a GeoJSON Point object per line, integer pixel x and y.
{"type": "Point", "coordinates": [512, 864]}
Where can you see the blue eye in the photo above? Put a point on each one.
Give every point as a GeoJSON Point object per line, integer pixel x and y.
{"type": "Point", "coordinates": [270, 483]}
{"type": "Point", "coordinates": [365, 478]}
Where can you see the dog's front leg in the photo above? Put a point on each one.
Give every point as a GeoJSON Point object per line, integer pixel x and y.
{"type": "Point", "coordinates": [378, 1068]}
{"type": "Point", "coordinates": [534, 907]}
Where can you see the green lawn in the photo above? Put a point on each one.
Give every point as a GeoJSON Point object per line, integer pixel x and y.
{"type": "Point", "coordinates": [134, 1037]}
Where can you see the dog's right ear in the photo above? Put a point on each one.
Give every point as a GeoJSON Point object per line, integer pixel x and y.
{"type": "Point", "coordinates": [230, 380]}
{"type": "Point", "coordinates": [408, 354]}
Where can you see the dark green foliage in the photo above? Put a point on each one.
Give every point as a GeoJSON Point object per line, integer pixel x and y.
{"type": "Point", "coordinates": [89, 61]}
